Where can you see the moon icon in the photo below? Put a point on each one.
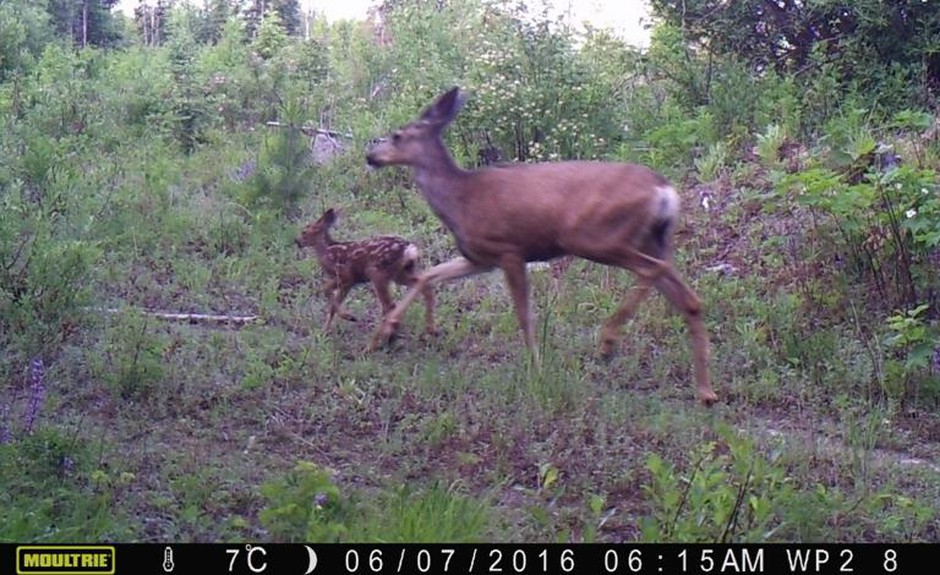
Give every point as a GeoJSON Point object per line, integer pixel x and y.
{"type": "Point", "coordinates": [313, 560]}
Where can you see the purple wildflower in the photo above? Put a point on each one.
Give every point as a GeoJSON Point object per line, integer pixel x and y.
{"type": "Point", "coordinates": [37, 394]}
{"type": "Point", "coordinates": [245, 171]}
{"type": "Point", "coordinates": [67, 464]}
{"type": "Point", "coordinates": [5, 435]}
{"type": "Point", "coordinates": [320, 499]}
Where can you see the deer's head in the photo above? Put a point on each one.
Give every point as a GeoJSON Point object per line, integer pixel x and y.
{"type": "Point", "coordinates": [408, 145]}
{"type": "Point", "coordinates": [317, 230]}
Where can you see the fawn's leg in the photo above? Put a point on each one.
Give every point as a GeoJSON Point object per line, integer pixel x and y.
{"type": "Point", "coordinates": [455, 268]}
{"type": "Point", "coordinates": [336, 303]}
{"type": "Point", "coordinates": [329, 289]}
{"type": "Point", "coordinates": [380, 287]}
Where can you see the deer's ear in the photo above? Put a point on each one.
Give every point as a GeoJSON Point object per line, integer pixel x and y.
{"type": "Point", "coordinates": [442, 111]}
{"type": "Point", "coordinates": [329, 216]}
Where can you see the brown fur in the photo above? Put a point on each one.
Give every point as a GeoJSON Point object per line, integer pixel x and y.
{"type": "Point", "coordinates": [378, 260]}
{"type": "Point", "coordinates": [502, 217]}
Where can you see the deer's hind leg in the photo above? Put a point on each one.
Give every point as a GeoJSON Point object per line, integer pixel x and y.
{"type": "Point", "coordinates": [610, 332]}
{"type": "Point", "coordinates": [380, 287]}
{"type": "Point", "coordinates": [647, 269]}
{"type": "Point", "coordinates": [680, 295]}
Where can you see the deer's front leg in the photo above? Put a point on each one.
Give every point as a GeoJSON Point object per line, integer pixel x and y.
{"type": "Point", "coordinates": [329, 284]}
{"type": "Point", "coordinates": [518, 281]}
{"type": "Point", "coordinates": [336, 303]}
{"type": "Point", "coordinates": [329, 290]}
{"type": "Point", "coordinates": [455, 268]}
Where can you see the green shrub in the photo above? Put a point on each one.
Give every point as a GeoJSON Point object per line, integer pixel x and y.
{"type": "Point", "coordinates": [728, 493]}
{"type": "Point", "coordinates": [55, 492]}
{"type": "Point", "coordinates": [43, 275]}
{"type": "Point", "coordinates": [305, 505]}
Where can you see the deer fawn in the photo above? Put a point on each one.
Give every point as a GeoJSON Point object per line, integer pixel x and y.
{"type": "Point", "coordinates": [378, 260]}
{"type": "Point", "coordinates": [502, 217]}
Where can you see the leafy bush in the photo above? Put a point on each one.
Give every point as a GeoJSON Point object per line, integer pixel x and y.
{"type": "Point", "coordinates": [728, 494]}
{"type": "Point", "coordinates": [43, 275]}
{"type": "Point", "coordinates": [913, 346]}
{"type": "Point", "coordinates": [132, 368]}
{"type": "Point", "coordinates": [305, 505]}
{"type": "Point", "coordinates": [24, 30]}
{"type": "Point", "coordinates": [54, 491]}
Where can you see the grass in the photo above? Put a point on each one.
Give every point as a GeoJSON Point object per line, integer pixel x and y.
{"type": "Point", "coordinates": [203, 432]}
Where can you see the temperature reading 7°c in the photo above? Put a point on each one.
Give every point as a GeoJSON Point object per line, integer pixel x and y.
{"type": "Point", "coordinates": [254, 558]}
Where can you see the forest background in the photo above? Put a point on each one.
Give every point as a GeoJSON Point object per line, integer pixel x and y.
{"type": "Point", "coordinates": [162, 162]}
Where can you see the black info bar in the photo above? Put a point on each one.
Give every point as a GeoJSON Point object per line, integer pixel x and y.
{"type": "Point", "coordinates": [466, 558]}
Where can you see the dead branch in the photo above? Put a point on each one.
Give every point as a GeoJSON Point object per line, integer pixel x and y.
{"type": "Point", "coordinates": [190, 317]}
{"type": "Point", "coordinates": [311, 130]}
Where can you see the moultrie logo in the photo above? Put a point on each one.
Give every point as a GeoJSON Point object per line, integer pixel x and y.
{"type": "Point", "coordinates": [64, 559]}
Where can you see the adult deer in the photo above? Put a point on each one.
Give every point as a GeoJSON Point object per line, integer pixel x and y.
{"type": "Point", "coordinates": [502, 217]}
{"type": "Point", "coordinates": [377, 260]}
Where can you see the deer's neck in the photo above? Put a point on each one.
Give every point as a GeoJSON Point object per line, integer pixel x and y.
{"type": "Point", "coordinates": [321, 246]}
{"type": "Point", "coordinates": [441, 181]}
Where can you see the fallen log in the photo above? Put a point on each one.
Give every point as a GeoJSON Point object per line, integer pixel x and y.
{"type": "Point", "coordinates": [190, 317]}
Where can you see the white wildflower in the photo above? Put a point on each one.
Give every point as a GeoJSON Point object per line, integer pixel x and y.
{"type": "Point", "coordinates": [910, 213]}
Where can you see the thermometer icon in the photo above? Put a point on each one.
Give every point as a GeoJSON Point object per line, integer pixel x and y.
{"type": "Point", "coordinates": [168, 560]}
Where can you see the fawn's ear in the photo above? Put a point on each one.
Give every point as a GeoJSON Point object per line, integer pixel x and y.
{"type": "Point", "coordinates": [329, 216]}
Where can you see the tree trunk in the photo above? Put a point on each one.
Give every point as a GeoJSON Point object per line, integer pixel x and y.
{"type": "Point", "coordinates": [84, 23]}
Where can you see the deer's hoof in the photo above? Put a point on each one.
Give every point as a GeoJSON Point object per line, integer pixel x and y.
{"type": "Point", "coordinates": [708, 397]}
{"type": "Point", "coordinates": [378, 340]}
{"type": "Point", "coordinates": [606, 348]}
{"type": "Point", "coordinates": [383, 335]}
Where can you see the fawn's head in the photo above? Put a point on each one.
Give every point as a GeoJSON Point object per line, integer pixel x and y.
{"type": "Point", "coordinates": [317, 229]}
{"type": "Point", "coordinates": [408, 145]}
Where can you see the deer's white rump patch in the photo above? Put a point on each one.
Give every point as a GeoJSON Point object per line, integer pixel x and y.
{"type": "Point", "coordinates": [669, 202]}
{"type": "Point", "coordinates": [412, 253]}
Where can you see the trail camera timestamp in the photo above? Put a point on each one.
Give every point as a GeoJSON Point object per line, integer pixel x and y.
{"type": "Point", "coordinates": [615, 559]}
{"type": "Point", "coordinates": [784, 559]}
{"type": "Point", "coordinates": [471, 559]}
{"type": "Point", "coordinates": [629, 559]}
